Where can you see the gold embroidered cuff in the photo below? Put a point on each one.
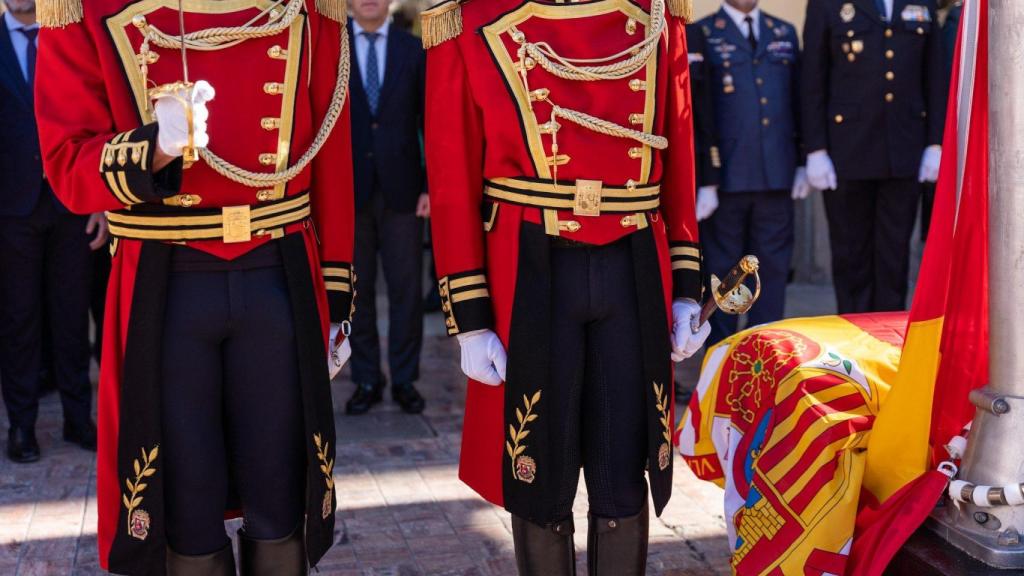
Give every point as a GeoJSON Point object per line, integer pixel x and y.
{"type": "Point", "coordinates": [466, 302]}
{"type": "Point", "coordinates": [126, 166]}
{"type": "Point", "coordinates": [687, 278]}
{"type": "Point", "coordinates": [339, 279]}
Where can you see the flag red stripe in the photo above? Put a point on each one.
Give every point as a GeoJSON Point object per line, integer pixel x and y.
{"type": "Point", "coordinates": [825, 473]}
{"type": "Point", "coordinates": [812, 414]}
{"type": "Point", "coordinates": [835, 432]}
{"type": "Point", "coordinates": [808, 387]}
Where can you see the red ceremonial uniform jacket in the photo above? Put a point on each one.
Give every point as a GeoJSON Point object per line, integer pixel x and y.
{"type": "Point", "coordinates": [492, 165]}
{"type": "Point", "coordinates": [99, 137]}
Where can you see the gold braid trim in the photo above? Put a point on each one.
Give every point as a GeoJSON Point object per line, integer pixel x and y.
{"type": "Point", "coordinates": [58, 13]}
{"type": "Point", "coordinates": [441, 23]}
{"type": "Point", "coordinates": [681, 9]}
{"type": "Point", "coordinates": [333, 9]}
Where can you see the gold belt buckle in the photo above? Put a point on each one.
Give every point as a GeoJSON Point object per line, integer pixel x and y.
{"type": "Point", "coordinates": [588, 198]}
{"type": "Point", "coordinates": [237, 224]}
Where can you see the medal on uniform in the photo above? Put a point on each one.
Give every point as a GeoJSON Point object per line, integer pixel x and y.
{"type": "Point", "coordinates": [720, 24]}
{"type": "Point", "coordinates": [727, 84]}
{"type": "Point", "coordinates": [857, 46]}
{"type": "Point", "coordinates": [848, 12]}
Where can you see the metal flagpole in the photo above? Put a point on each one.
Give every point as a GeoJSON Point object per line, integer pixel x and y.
{"type": "Point", "coordinates": [988, 523]}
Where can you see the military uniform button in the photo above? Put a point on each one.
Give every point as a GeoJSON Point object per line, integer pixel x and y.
{"type": "Point", "coordinates": [839, 118]}
{"type": "Point", "coordinates": [268, 159]}
{"type": "Point", "coordinates": [636, 152]}
{"type": "Point", "coordinates": [766, 122]}
{"type": "Point", "coordinates": [760, 81]}
{"type": "Point", "coordinates": [637, 85]}
{"type": "Point", "coordinates": [890, 75]}
{"type": "Point", "coordinates": [920, 31]}
{"type": "Point", "coordinates": [277, 53]}
{"type": "Point", "coordinates": [849, 33]}
{"type": "Point", "coordinates": [613, 524]}
{"type": "Point", "coordinates": [265, 195]}
{"type": "Point", "coordinates": [764, 101]}
{"type": "Point", "coordinates": [636, 118]}
{"type": "Point", "coordinates": [889, 54]}
{"type": "Point", "coordinates": [274, 88]}
{"type": "Point", "coordinates": [630, 26]}
{"type": "Point", "coordinates": [539, 94]}
{"type": "Point", "coordinates": [270, 123]}
{"type": "Point", "coordinates": [889, 97]}
{"type": "Point", "coordinates": [888, 32]}
{"type": "Point", "coordinates": [726, 64]}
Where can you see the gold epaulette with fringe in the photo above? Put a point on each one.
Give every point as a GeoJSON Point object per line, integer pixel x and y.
{"type": "Point", "coordinates": [334, 9]}
{"type": "Point", "coordinates": [681, 9]}
{"type": "Point", "coordinates": [441, 23]}
{"type": "Point", "coordinates": [58, 13]}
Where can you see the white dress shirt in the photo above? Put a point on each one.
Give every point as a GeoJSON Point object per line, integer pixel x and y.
{"type": "Point", "coordinates": [20, 41]}
{"type": "Point", "coordinates": [363, 48]}
{"type": "Point", "coordinates": [740, 18]}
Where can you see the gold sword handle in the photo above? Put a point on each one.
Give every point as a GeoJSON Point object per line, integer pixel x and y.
{"type": "Point", "coordinates": [730, 295]}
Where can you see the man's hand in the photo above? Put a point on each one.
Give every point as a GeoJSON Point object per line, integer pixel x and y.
{"type": "Point", "coordinates": [801, 185]}
{"type": "Point", "coordinates": [707, 202]}
{"type": "Point", "coordinates": [820, 171]}
{"type": "Point", "coordinates": [172, 119]}
{"type": "Point", "coordinates": [687, 334]}
{"type": "Point", "coordinates": [423, 206]}
{"type": "Point", "coordinates": [930, 162]}
{"type": "Point", "coordinates": [97, 225]}
{"type": "Point", "coordinates": [483, 357]}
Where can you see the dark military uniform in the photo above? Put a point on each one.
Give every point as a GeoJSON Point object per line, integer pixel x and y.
{"type": "Point", "coordinates": [754, 98]}
{"type": "Point", "coordinates": [874, 96]}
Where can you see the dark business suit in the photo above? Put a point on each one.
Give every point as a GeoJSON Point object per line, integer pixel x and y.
{"type": "Point", "coordinates": [389, 179]}
{"type": "Point", "coordinates": [755, 105]}
{"type": "Point", "coordinates": [874, 96]}
{"type": "Point", "coordinates": [44, 262]}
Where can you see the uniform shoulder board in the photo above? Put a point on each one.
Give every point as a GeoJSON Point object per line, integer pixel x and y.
{"type": "Point", "coordinates": [58, 13]}
{"type": "Point", "coordinates": [332, 9]}
{"type": "Point", "coordinates": [441, 23]}
{"type": "Point", "coordinates": [681, 9]}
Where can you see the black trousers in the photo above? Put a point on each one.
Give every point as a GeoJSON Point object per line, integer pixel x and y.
{"type": "Point", "coordinates": [758, 223]}
{"type": "Point", "coordinates": [396, 238]}
{"type": "Point", "coordinates": [597, 376]}
{"type": "Point", "coordinates": [232, 404]}
{"type": "Point", "coordinates": [870, 224]}
{"type": "Point", "coordinates": [44, 277]}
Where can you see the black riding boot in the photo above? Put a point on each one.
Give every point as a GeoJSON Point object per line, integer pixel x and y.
{"type": "Point", "coordinates": [617, 546]}
{"type": "Point", "coordinates": [219, 563]}
{"type": "Point", "coordinates": [282, 557]}
{"type": "Point", "coordinates": [544, 551]}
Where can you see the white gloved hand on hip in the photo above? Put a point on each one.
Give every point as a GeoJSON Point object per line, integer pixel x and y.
{"type": "Point", "coordinates": [687, 335]}
{"type": "Point", "coordinates": [801, 185]}
{"type": "Point", "coordinates": [821, 172]}
{"type": "Point", "coordinates": [707, 202]}
{"type": "Point", "coordinates": [930, 162]}
{"type": "Point", "coordinates": [483, 357]}
{"type": "Point", "coordinates": [340, 353]}
{"type": "Point", "coordinates": [172, 119]}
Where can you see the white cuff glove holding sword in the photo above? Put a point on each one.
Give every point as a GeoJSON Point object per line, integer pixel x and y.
{"type": "Point", "coordinates": [340, 351]}
{"type": "Point", "coordinates": [688, 336]}
{"type": "Point", "coordinates": [171, 111]}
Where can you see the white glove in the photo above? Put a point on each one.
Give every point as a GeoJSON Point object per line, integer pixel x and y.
{"type": "Point", "coordinates": [171, 118]}
{"type": "Point", "coordinates": [801, 185]}
{"type": "Point", "coordinates": [707, 202]}
{"type": "Point", "coordinates": [930, 164]}
{"type": "Point", "coordinates": [483, 357]}
{"type": "Point", "coordinates": [687, 336]}
{"type": "Point", "coordinates": [820, 171]}
{"type": "Point", "coordinates": [340, 353]}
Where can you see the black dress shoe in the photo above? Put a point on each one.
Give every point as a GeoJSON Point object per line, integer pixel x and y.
{"type": "Point", "coordinates": [22, 446]}
{"type": "Point", "coordinates": [82, 434]}
{"type": "Point", "coordinates": [363, 399]}
{"type": "Point", "coordinates": [408, 398]}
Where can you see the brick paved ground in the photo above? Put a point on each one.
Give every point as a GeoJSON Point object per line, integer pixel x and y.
{"type": "Point", "coordinates": [403, 512]}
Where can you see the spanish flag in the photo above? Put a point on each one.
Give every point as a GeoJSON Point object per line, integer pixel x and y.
{"type": "Point", "coordinates": [945, 355]}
